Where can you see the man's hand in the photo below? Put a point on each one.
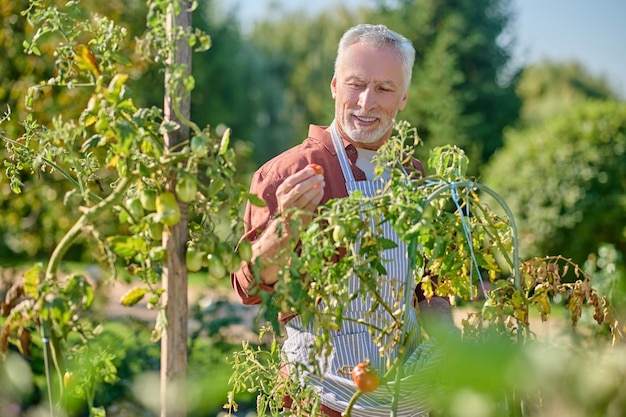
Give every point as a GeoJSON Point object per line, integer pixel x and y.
{"type": "Point", "coordinates": [304, 191]}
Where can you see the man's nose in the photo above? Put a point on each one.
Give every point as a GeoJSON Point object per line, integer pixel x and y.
{"type": "Point", "coordinates": [367, 99]}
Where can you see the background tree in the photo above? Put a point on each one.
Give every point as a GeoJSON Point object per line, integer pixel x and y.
{"type": "Point", "coordinates": [460, 93]}
{"type": "Point", "coordinates": [548, 87]}
{"type": "Point", "coordinates": [564, 180]}
{"type": "Point", "coordinates": [299, 54]}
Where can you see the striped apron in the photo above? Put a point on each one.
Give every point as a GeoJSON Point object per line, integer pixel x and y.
{"type": "Point", "coordinates": [353, 343]}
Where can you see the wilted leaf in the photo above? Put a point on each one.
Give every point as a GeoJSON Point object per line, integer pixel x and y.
{"type": "Point", "coordinates": [31, 280]}
{"type": "Point", "coordinates": [133, 296]}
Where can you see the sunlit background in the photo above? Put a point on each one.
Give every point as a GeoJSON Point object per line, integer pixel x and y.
{"type": "Point", "coordinates": [590, 32]}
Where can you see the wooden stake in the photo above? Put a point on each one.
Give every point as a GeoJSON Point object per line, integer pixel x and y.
{"type": "Point", "coordinates": [174, 338]}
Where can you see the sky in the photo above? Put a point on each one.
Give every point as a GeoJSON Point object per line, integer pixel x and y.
{"type": "Point", "coordinates": [591, 32]}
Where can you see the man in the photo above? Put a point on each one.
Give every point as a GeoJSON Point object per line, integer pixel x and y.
{"type": "Point", "coordinates": [370, 86]}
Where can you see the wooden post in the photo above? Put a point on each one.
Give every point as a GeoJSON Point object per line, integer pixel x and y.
{"type": "Point", "coordinates": [174, 338]}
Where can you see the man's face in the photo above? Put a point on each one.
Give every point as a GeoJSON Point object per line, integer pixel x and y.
{"type": "Point", "coordinates": [369, 88]}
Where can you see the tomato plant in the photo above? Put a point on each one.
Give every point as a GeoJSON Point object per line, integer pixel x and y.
{"type": "Point", "coordinates": [456, 246]}
{"type": "Point", "coordinates": [216, 267]}
{"type": "Point", "coordinates": [114, 158]}
{"type": "Point", "coordinates": [147, 198]}
{"type": "Point", "coordinates": [339, 233]}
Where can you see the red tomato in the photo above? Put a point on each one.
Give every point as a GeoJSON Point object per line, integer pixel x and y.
{"type": "Point", "coordinates": [364, 378]}
{"type": "Point", "coordinates": [317, 168]}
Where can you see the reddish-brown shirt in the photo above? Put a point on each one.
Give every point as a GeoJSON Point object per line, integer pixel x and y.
{"type": "Point", "coordinates": [316, 148]}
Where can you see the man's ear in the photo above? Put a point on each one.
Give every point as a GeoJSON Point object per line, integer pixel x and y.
{"type": "Point", "coordinates": [333, 87]}
{"type": "Point", "coordinates": [404, 100]}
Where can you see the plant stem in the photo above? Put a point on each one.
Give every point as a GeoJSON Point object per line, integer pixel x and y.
{"type": "Point", "coordinates": [353, 400]}
{"type": "Point", "coordinates": [50, 339]}
{"type": "Point", "coordinates": [82, 222]}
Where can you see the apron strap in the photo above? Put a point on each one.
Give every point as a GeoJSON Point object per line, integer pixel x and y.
{"type": "Point", "coordinates": [341, 153]}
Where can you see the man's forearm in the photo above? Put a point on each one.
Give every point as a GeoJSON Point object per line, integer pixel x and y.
{"type": "Point", "coordinates": [436, 314]}
{"type": "Point", "coordinates": [270, 251]}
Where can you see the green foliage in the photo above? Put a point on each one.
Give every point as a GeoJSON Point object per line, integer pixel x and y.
{"type": "Point", "coordinates": [548, 88]}
{"type": "Point", "coordinates": [461, 92]}
{"type": "Point", "coordinates": [564, 181]}
{"type": "Point", "coordinates": [296, 77]}
{"type": "Point", "coordinates": [32, 222]}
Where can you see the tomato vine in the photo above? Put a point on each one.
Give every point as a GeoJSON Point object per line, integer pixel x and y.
{"type": "Point", "coordinates": [114, 159]}
{"type": "Point", "coordinates": [450, 233]}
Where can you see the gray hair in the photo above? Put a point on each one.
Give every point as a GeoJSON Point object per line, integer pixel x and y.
{"type": "Point", "coordinates": [379, 36]}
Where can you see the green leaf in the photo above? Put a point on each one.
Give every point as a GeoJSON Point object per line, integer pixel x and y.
{"type": "Point", "coordinates": [117, 57]}
{"type": "Point", "coordinates": [255, 200]}
{"type": "Point", "coordinates": [127, 246]}
{"type": "Point", "coordinates": [387, 243]}
{"type": "Point", "coordinates": [167, 127]}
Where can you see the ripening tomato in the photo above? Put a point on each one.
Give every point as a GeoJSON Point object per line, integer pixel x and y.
{"type": "Point", "coordinates": [167, 209]}
{"type": "Point", "coordinates": [319, 170]}
{"type": "Point", "coordinates": [365, 379]}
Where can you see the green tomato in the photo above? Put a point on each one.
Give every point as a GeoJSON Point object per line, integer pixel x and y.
{"type": "Point", "coordinates": [339, 233]}
{"type": "Point", "coordinates": [135, 208]}
{"type": "Point", "coordinates": [156, 231]}
{"type": "Point", "coordinates": [355, 224]}
{"type": "Point", "coordinates": [148, 200]}
{"type": "Point", "coordinates": [186, 189]}
{"type": "Point", "coordinates": [216, 267]}
{"type": "Point", "coordinates": [193, 259]}
{"type": "Point", "coordinates": [245, 251]}
{"type": "Point", "coordinates": [167, 209]}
